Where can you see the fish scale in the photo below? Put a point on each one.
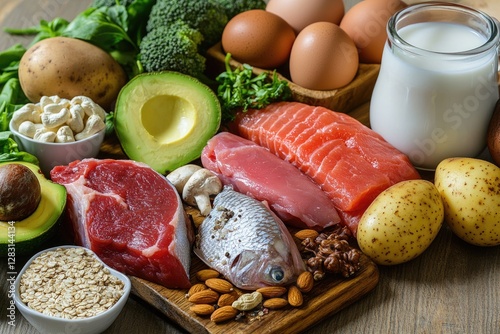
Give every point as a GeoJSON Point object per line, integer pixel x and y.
{"type": "Point", "coordinates": [249, 245]}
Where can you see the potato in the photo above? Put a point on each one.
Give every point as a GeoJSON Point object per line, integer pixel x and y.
{"type": "Point", "coordinates": [69, 67]}
{"type": "Point", "coordinates": [470, 189]}
{"type": "Point", "coordinates": [401, 223]}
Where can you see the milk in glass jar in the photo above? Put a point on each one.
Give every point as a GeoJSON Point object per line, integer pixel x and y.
{"type": "Point", "coordinates": [437, 86]}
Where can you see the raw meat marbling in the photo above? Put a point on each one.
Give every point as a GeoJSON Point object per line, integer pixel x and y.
{"type": "Point", "coordinates": [130, 216]}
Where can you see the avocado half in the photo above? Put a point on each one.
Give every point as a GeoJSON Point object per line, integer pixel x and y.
{"type": "Point", "coordinates": [165, 119]}
{"type": "Point", "coordinates": [30, 233]}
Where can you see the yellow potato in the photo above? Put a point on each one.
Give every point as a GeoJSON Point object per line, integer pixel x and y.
{"type": "Point", "coordinates": [69, 67]}
{"type": "Point", "coordinates": [401, 223]}
{"type": "Point", "coordinates": [470, 189]}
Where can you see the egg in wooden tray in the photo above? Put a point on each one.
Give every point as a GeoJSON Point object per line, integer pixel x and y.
{"type": "Point", "coordinates": [329, 61]}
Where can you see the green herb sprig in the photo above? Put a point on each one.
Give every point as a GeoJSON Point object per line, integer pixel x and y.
{"type": "Point", "coordinates": [240, 89]}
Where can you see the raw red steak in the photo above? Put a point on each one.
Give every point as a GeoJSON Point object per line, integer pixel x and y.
{"type": "Point", "coordinates": [351, 162]}
{"type": "Point", "coordinates": [130, 216]}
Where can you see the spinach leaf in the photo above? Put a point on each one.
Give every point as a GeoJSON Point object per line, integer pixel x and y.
{"type": "Point", "coordinates": [9, 150]}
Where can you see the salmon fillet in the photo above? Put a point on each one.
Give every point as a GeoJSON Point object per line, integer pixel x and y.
{"type": "Point", "coordinates": [348, 160]}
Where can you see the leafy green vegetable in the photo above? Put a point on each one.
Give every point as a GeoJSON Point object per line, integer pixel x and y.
{"type": "Point", "coordinates": [241, 89]}
{"type": "Point", "coordinates": [103, 26]}
{"type": "Point", "coordinates": [9, 150]}
{"type": "Point", "coordinates": [110, 123]}
{"type": "Point", "coordinates": [11, 94]}
{"type": "Point", "coordinates": [9, 57]}
{"type": "Point", "coordinates": [45, 29]}
{"type": "Point", "coordinates": [11, 99]}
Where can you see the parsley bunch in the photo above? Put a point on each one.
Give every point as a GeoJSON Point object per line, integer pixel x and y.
{"type": "Point", "coordinates": [240, 89]}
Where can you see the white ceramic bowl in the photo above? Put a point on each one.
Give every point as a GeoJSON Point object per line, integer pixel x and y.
{"type": "Point", "coordinates": [55, 154]}
{"type": "Point", "coordinates": [51, 325]}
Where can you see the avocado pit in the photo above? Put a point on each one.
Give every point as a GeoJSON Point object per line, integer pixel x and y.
{"type": "Point", "coordinates": [20, 192]}
{"type": "Point", "coordinates": [177, 117]}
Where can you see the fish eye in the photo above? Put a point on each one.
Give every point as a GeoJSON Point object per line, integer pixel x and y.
{"type": "Point", "coordinates": [277, 274]}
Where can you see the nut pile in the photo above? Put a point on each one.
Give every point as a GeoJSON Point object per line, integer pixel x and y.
{"type": "Point", "coordinates": [69, 283]}
{"type": "Point", "coordinates": [329, 252]}
{"type": "Point", "coordinates": [59, 120]}
{"type": "Point", "coordinates": [221, 301]}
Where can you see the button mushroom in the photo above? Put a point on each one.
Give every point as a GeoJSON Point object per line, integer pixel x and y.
{"type": "Point", "coordinates": [198, 189]}
{"type": "Point", "coordinates": [181, 175]}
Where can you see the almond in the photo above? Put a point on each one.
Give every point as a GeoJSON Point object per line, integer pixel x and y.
{"type": "Point", "coordinates": [205, 274]}
{"type": "Point", "coordinates": [202, 309]}
{"type": "Point", "coordinates": [272, 291]}
{"type": "Point", "coordinates": [196, 288]}
{"type": "Point", "coordinates": [306, 233]}
{"type": "Point", "coordinates": [223, 313]}
{"type": "Point", "coordinates": [275, 303]}
{"type": "Point", "coordinates": [294, 296]}
{"type": "Point", "coordinates": [305, 281]}
{"type": "Point", "coordinates": [220, 285]}
{"type": "Point", "coordinates": [227, 299]}
{"type": "Point", "coordinates": [204, 297]}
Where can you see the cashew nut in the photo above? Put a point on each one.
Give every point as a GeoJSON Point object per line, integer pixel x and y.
{"type": "Point", "coordinates": [55, 99]}
{"type": "Point", "coordinates": [89, 106]}
{"type": "Point", "coordinates": [29, 112]}
{"type": "Point", "coordinates": [94, 124]}
{"type": "Point", "coordinates": [44, 135]}
{"type": "Point", "coordinates": [71, 120]}
{"type": "Point", "coordinates": [54, 115]}
{"type": "Point", "coordinates": [75, 122]}
{"type": "Point", "coordinates": [64, 135]}
{"type": "Point", "coordinates": [248, 301]}
{"type": "Point", "coordinates": [28, 128]}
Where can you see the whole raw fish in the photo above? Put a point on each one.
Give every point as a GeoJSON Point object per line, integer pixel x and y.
{"type": "Point", "coordinates": [248, 244]}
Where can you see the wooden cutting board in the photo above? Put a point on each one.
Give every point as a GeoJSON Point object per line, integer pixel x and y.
{"type": "Point", "coordinates": [327, 297]}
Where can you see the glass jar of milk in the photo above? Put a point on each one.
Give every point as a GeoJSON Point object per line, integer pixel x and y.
{"type": "Point", "coordinates": [437, 85]}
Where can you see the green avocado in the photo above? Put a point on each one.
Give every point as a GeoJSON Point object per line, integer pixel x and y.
{"type": "Point", "coordinates": [164, 119]}
{"type": "Point", "coordinates": [26, 236]}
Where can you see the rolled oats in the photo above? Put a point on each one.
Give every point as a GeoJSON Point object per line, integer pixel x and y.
{"type": "Point", "coordinates": [69, 283]}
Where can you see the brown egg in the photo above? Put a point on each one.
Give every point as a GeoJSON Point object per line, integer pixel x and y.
{"type": "Point", "coordinates": [323, 57]}
{"type": "Point", "coordinates": [301, 13]}
{"type": "Point", "coordinates": [366, 24]}
{"type": "Point", "coordinates": [258, 38]}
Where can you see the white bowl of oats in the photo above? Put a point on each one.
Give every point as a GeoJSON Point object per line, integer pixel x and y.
{"type": "Point", "coordinates": [68, 289]}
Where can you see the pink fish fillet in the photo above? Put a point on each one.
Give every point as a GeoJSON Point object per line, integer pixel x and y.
{"type": "Point", "coordinates": [256, 172]}
{"type": "Point", "coordinates": [350, 162]}
{"type": "Point", "coordinates": [130, 216]}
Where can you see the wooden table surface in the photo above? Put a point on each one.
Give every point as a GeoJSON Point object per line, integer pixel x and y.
{"type": "Point", "coordinates": [452, 288]}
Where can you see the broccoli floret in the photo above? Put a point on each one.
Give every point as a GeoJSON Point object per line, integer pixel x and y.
{"type": "Point", "coordinates": [206, 16]}
{"type": "Point", "coordinates": [234, 7]}
{"type": "Point", "coordinates": [109, 3]}
{"type": "Point", "coordinates": [173, 47]}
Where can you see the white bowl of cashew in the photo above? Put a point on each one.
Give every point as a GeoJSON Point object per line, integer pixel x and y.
{"type": "Point", "coordinates": [64, 149]}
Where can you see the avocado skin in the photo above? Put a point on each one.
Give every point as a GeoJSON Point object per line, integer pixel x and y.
{"type": "Point", "coordinates": [33, 232]}
{"type": "Point", "coordinates": [164, 119]}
